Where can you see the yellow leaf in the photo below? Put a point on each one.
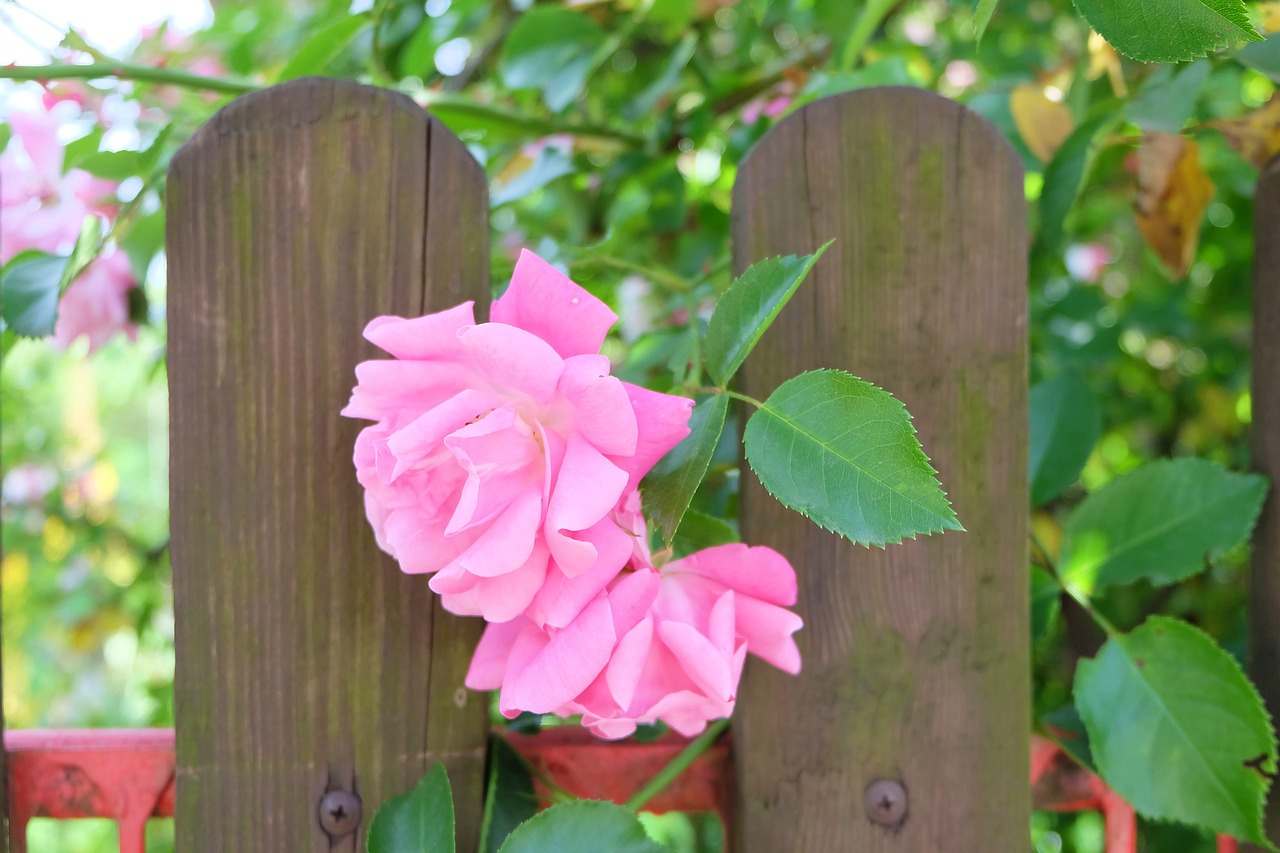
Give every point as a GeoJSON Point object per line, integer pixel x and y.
{"type": "Point", "coordinates": [1269, 17]}
{"type": "Point", "coordinates": [1042, 123]}
{"type": "Point", "coordinates": [1257, 135]}
{"type": "Point", "coordinates": [1103, 59]}
{"type": "Point", "coordinates": [1173, 192]}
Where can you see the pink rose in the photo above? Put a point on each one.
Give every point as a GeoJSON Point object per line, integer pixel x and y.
{"type": "Point", "coordinates": [500, 450]}
{"type": "Point", "coordinates": [664, 644]}
{"type": "Point", "coordinates": [40, 208]}
{"type": "Point", "coordinates": [96, 304]}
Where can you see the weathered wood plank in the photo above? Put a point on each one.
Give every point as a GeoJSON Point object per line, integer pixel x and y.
{"type": "Point", "coordinates": [306, 661]}
{"type": "Point", "coordinates": [916, 661]}
{"type": "Point", "coordinates": [1264, 592]}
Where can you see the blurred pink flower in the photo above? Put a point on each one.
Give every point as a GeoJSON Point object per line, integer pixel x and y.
{"type": "Point", "coordinates": [96, 304]}
{"type": "Point", "coordinates": [28, 483]}
{"type": "Point", "coordinates": [41, 208]}
{"type": "Point", "coordinates": [501, 450]}
{"type": "Point", "coordinates": [1086, 261]}
{"type": "Point", "coordinates": [759, 108]}
{"type": "Point", "coordinates": [665, 644]}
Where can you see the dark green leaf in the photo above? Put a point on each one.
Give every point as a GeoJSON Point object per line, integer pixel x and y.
{"type": "Point", "coordinates": [1169, 30]}
{"type": "Point", "coordinates": [1063, 177]}
{"type": "Point", "coordinates": [420, 821]}
{"type": "Point", "coordinates": [323, 48]}
{"type": "Point", "coordinates": [550, 165]}
{"type": "Point", "coordinates": [843, 452]}
{"type": "Point", "coordinates": [29, 292]}
{"type": "Point", "coordinates": [1159, 523]}
{"type": "Point", "coordinates": [663, 83]}
{"type": "Point", "coordinates": [699, 530]}
{"type": "Point", "coordinates": [510, 799]}
{"type": "Point", "coordinates": [1046, 602]}
{"type": "Point", "coordinates": [1167, 100]}
{"type": "Point", "coordinates": [1263, 57]}
{"type": "Point", "coordinates": [583, 826]}
{"type": "Point", "coordinates": [669, 487]}
{"type": "Point", "coordinates": [749, 307]}
{"type": "Point", "coordinates": [1176, 728]}
{"type": "Point", "coordinates": [1065, 726]}
{"type": "Point", "coordinates": [550, 49]}
{"type": "Point", "coordinates": [1065, 423]}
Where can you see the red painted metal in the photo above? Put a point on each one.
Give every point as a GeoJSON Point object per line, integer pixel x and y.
{"type": "Point", "coordinates": [127, 775]}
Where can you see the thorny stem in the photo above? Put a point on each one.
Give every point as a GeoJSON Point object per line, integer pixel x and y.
{"type": "Point", "coordinates": [678, 765]}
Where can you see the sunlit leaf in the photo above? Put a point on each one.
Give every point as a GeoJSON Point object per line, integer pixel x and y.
{"type": "Point", "coordinates": [843, 453]}
{"type": "Point", "coordinates": [1169, 30]}
{"type": "Point", "coordinates": [982, 11]}
{"type": "Point", "coordinates": [1176, 728]}
{"type": "Point", "coordinates": [550, 49]}
{"type": "Point", "coordinates": [323, 48]}
{"type": "Point", "coordinates": [1158, 523]}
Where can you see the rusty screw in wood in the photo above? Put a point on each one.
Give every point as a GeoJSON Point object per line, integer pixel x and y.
{"type": "Point", "coordinates": [340, 813]}
{"type": "Point", "coordinates": [885, 802]}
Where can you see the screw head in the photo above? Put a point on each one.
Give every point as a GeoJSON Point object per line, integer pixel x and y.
{"type": "Point", "coordinates": [340, 812]}
{"type": "Point", "coordinates": [885, 802]}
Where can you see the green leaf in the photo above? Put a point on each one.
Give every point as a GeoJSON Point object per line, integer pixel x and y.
{"type": "Point", "coordinates": [323, 48]}
{"type": "Point", "coordinates": [982, 16]}
{"type": "Point", "coordinates": [749, 307]}
{"type": "Point", "coordinates": [1065, 424]}
{"type": "Point", "coordinates": [669, 487]}
{"type": "Point", "coordinates": [1067, 729]}
{"type": "Point", "coordinates": [112, 165]}
{"type": "Point", "coordinates": [1263, 57]}
{"type": "Point", "coordinates": [1064, 175]}
{"type": "Point", "coordinates": [550, 165]}
{"type": "Point", "coordinates": [1159, 523]}
{"type": "Point", "coordinates": [1166, 100]}
{"type": "Point", "coordinates": [1169, 30]}
{"type": "Point", "coordinates": [88, 245]}
{"type": "Point", "coordinates": [843, 452]}
{"type": "Point", "coordinates": [1176, 728]}
{"type": "Point", "coordinates": [699, 530]}
{"type": "Point", "coordinates": [510, 799]}
{"type": "Point", "coordinates": [551, 50]}
{"type": "Point", "coordinates": [29, 292]}
{"type": "Point", "coordinates": [1046, 602]}
{"type": "Point", "coordinates": [663, 83]}
{"type": "Point", "coordinates": [420, 821]}
{"type": "Point", "coordinates": [582, 826]}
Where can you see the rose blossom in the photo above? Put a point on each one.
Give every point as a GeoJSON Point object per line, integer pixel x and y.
{"type": "Point", "coordinates": [96, 304]}
{"type": "Point", "coordinates": [41, 208]}
{"type": "Point", "coordinates": [500, 450]}
{"type": "Point", "coordinates": [665, 644]}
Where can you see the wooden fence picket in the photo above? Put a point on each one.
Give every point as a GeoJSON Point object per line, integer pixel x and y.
{"type": "Point", "coordinates": [904, 731]}
{"type": "Point", "coordinates": [1264, 591]}
{"type": "Point", "coordinates": [306, 662]}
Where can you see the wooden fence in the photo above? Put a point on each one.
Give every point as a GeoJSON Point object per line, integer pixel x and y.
{"type": "Point", "coordinates": [306, 663]}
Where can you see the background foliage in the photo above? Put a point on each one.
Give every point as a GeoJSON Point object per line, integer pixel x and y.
{"type": "Point", "coordinates": [611, 131]}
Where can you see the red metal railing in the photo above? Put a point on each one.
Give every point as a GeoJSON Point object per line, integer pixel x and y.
{"type": "Point", "coordinates": [127, 775]}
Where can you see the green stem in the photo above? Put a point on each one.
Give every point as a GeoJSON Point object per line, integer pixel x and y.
{"type": "Point", "coordinates": [678, 765]}
{"type": "Point", "coordinates": [127, 71]}
{"type": "Point", "coordinates": [873, 15]}
{"type": "Point", "coordinates": [442, 102]}
{"type": "Point", "coordinates": [668, 279]}
{"type": "Point", "coordinates": [744, 398]}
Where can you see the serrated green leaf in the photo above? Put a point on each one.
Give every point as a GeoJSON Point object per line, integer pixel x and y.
{"type": "Point", "coordinates": [1169, 30]}
{"type": "Point", "coordinates": [1158, 523]}
{"type": "Point", "coordinates": [1065, 424]}
{"type": "Point", "coordinates": [88, 246]}
{"type": "Point", "coordinates": [551, 50]}
{"type": "Point", "coordinates": [669, 487]}
{"type": "Point", "coordinates": [1064, 175]}
{"type": "Point", "coordinates": [582, 826]}
{"type": "Point", "coordinates": [749, 307]}
{"type": "Point", "coordinates": [510, 799]}
{"type": "Point", "coordinates": [1167, 100]}
{"type": "Point", "coordinates": [1176, 728]}
{"type": "Point", "coordinates": [843, 452]}
{"type": "Point", "coordinates": [29, 292]}
{"type": "Point", "coordinates": [323, 48]}
{"type": "Point", "coordinates": [982, 12]}
{"type": "Point", "coordinates": [420, 821]}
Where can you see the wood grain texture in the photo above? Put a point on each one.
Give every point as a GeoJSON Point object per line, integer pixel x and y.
{"type": "Point", "coordinates": [305, 660]}
{"type": "Point", "coordinates": [916, 661]}
{"type": "Point", "coordinates": [1264, 593]}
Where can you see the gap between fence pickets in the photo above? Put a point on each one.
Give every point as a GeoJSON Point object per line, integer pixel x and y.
{"type": "Point", "coordinates": [107, 762]}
